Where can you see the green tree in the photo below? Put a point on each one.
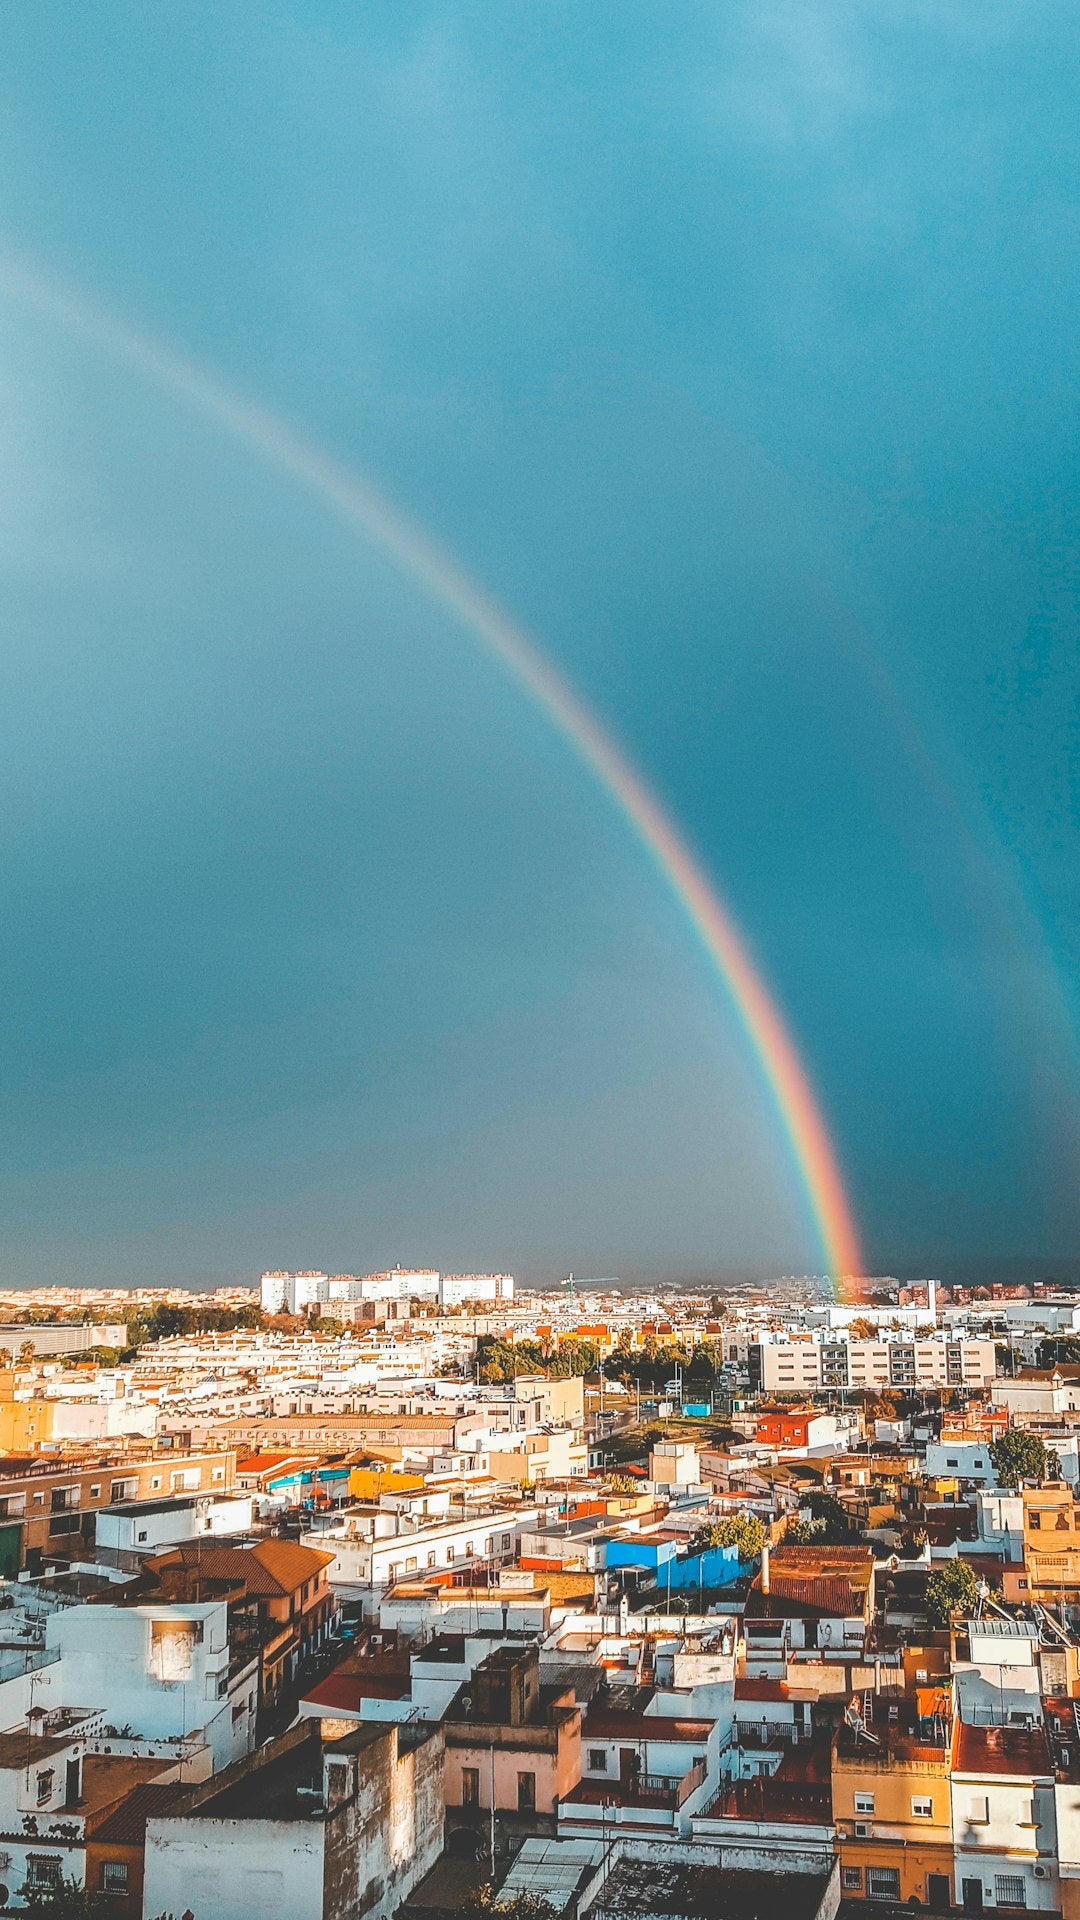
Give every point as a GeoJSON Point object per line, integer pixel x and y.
{"type": "Point", "coordinates": [742, 1530]}
{"type": "Point", "coordinates": [828, 1524]}
{"type": "Point", "coordinates": [66, 1901]}
{"type": "Point", "coordinates": [1018, 1456]}
{"type": "Point", "coordinates": [950, 1589]}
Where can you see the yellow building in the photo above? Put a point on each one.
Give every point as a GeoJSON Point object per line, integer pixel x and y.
{"type": "Point", "coordinates": [891, 1800]}
{"type": "Point", "coordinates": [25, 1425]}
{"type": "Point", "coordinates": [368, 1483]}
{"type": "Point", "coordinates": [1051, 1540]}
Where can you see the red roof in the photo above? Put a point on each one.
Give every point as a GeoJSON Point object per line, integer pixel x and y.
{"type": "Point", "coordinates": [1008, 1750]}
{"type": "Point", "coordinates": [346, 1692]}
{"type": "Point", "coordinates": [125, 1826]}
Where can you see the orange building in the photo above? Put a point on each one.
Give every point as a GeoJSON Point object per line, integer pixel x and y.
{"type": "Point", "coordinates": [1051, 1541]}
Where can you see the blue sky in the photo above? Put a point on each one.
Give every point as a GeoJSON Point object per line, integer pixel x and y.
{"type": "Point", "coordinates": [734, 350]}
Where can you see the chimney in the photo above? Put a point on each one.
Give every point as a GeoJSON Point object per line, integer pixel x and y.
{"type": "Point", "coordinates": [765, 1568]}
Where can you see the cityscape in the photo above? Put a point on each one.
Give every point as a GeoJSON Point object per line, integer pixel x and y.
{"type": "Point", "coordinates": [415, 1593]}
{"type": "Point", "coordinates": [540, 960]}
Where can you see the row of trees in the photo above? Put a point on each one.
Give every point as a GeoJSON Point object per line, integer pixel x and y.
{"type": "Point", "coordinates": [501, 1360]}
{"type": "Point", "coordinates": [649, 1366]}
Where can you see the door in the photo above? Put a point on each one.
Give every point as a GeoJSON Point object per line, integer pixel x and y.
{"type": "Point", "coordinates": [938, 1892]}
{"type": "Point", "coordinates": [973, 1895]}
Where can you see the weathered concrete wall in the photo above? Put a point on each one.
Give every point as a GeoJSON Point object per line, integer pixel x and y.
{"type": "Point", "coordinates": [384, 1826]}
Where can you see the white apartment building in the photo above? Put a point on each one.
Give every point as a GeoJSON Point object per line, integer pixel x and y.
{"type": "Point", "coordinates": [296, 1292]}
{"type": "Point", "coordinates": [778, 1364]}
{"type": "Point", "coordinates": [372, 1550]}
{"type": "Point", "coordinates": [292, 1292]}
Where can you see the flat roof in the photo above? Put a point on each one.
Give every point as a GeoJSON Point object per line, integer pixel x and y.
{"type": "Point", "coordinates": [1005, 1750]}
{"type": "Point", "coordinates": [1005, 1629]}
{"type": "Point", "coordinates": [672, 1888]}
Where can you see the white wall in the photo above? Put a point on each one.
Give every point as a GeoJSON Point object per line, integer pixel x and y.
{"type": "Point", "coordinates": [234, 1869]}
{"type": "Point", "coordinates": [969, 1459]}
{"type": "Point", "coordinates": [160, 1684]}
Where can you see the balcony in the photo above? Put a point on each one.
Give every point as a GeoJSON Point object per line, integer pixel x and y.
{"type": "Point", "coordinates": [663, 1791]}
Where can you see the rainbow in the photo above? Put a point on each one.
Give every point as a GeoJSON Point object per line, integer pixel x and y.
{"type": "Point", "coordinates": [353, 500]}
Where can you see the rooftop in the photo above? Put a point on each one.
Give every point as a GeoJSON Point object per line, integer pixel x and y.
{"type": "Point", "coordinates": [664, 1890]}
{"type": "Point", "coordinates": [1012, 1751]}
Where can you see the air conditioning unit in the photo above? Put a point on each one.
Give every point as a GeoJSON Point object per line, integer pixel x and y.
{"type": "Point", "coordinates": [863, 1830]}
{"type": "Point", "coordinates": [1042, 1871]}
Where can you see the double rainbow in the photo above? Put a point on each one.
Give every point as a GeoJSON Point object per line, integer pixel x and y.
{"type": "Point", "coordinates": [356, 502]}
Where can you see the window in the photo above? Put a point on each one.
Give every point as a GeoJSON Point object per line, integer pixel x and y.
{"type": "Point", "coordinates": [114, 1876]}
{"type": "Point", "coordinates": [864, 1803]}
{"type": "Point", "coordinates": [883, 1883]}
{"type": "Point", "coordinates": [155, 1483]}
{"type": "Point", "coordinates": [431, 1557]}
{"type": "Point", "coordinates": [851, 1879]}
{"type": "Point", "coordinates": [597, 1759]}
{"type": "Point", "coordinates": [217, 1473]}
{"type": "Point", "coordinates": [978, 1810]}
{"type": "Point", "coordinates": [122, 1490]}
{"type": "Point", "coordinates": [1034, 1521]}
{"type": "Point", "coordinates": [1009, 1890]}
{"type": "Point", "coordinates": [526, 1792]}
{"type": "Point", "coordinates": [507, 1542]}
{"type": "Point", "coordinates": [44, 1869]}
{"type": "Point", "coordinates": [922, 1807]}
{"type": "Point", "coordinates": [410, 1564]}
{"type": "Point", "coordinates": [449, 1556]}
{"type": "Point", "coordinates": [470, 1786]}
{"type": "Point", "coordinates": [95, 1491]}
{"type": "Point", "coordinates": [44, 1785]}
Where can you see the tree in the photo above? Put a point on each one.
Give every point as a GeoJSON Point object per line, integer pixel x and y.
{"type": "Point", "coordinates": [863, 1329]}
{"type": "Point", "coordinates": [950, 1589]}
{"type": "Point", "coordinates": [741, 1530]}
{"type": "Point", "coordinates": [484, 1904]}
{"type": "Point", "coordinates": [66, 1901]}
{"type": "Point", "coordinates": [828, 1524]}
{"type": "Point", "coordinates": [1018, 1456]}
